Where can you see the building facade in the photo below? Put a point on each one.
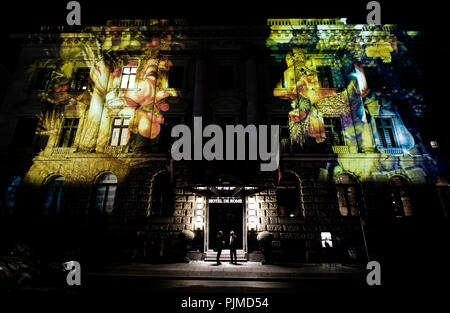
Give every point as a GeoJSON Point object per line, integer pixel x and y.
{"type": "Point", "coordinates": [88, 121]}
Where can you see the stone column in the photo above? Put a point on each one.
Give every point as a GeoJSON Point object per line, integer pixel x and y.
{"type": "Point", "coordinates": [100, 74]}
{"type": "Point", "coordinates": [251, 91]}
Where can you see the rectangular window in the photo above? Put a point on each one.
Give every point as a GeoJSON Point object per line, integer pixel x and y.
{"type": "Point", "coordinates": [119, 135]}
{"type": "Point", "coordinates": [347, 199]}
{"type": "Point", "coordinates": [81, 78]}
{"type": "Point", "coordinates": [325, 238]}
{"type": "Point", "coordinates": [42, 79]}
{"type": "Point", "coordinates": [176, 74]}
{"type": "Point", "coordinates": [372, 77]}
{"type": "Point", "coordinates": [325, 77]}
{"type": "Point", "coordinates": [24, 134]}
{"type": "Point", "coordinates": [128, 77]}
{"type": "Point", "coordinates": [226, 77]}
{"type": "Point", "coordinates": [68, 132]}
{"type": "Point", "coordinates": [333, 131]}
{"type": "Point", "coordinates": [385, 132]}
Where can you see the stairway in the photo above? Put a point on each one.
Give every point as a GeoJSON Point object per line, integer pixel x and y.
{"type": "Point", "coordinates": [225, 256]}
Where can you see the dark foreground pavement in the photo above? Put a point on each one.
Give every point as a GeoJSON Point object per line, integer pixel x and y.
{"type": "Point", "coordinates": [170, 287]}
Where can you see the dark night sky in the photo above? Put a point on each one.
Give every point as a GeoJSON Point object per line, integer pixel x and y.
{"type": "Point", "coordinates": [28, 15]}
{"type": "Point", "coordinates": [25, 14]}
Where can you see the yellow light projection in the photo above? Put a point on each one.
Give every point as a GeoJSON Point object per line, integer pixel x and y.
{"type": "Point", "coordinates": [341, 91]}
{"type": "Point", "coordinates": [128, 77]}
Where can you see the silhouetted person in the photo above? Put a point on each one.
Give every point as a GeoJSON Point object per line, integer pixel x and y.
{"type": "Point", "coordinates": [220, 243]}
{"type": "Point", "coordinates": [233, 245]}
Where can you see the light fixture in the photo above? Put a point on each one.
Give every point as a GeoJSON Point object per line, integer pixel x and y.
{"type": "Point", "coordinates": [199, 219]}
{"type": "Point", "coordinates": [199, 212]}
{"type": "Point", "coordinates": [199, 200]}
{"type": "Point", "coordinates": [434, 144]}
{"type": "Point", "coordinates": [251, 212]}
{"type": "Point", "coordinates": [252, 206]}
{"type": "Point", "coordinates": [199, 205]}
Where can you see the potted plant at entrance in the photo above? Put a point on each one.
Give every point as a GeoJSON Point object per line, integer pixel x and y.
{"type": "Point", "coordinates": [265, 244]}
{"type": "Point", "coordinates": [186, 237]}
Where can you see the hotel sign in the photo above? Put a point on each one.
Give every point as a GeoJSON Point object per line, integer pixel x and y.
{"type": "Point", "coordinates": [225, 200]}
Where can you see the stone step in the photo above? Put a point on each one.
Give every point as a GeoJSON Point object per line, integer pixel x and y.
{"type": "Point", "coordinates": [225, 256]}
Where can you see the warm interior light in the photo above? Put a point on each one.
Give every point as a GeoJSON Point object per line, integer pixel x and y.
{"type": "Point", "coordinates": [326, 238]}
{"type": "Point", "coordinates": [199, 200]}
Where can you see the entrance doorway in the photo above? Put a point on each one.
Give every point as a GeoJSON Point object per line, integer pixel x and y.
{"type": "Point", "coordinates": [225, 217]}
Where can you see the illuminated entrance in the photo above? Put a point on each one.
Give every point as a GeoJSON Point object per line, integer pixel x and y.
{"type": "Point", "coordinates": [225, 212]}
{"type": "Point", "coordinates": [225, 216]}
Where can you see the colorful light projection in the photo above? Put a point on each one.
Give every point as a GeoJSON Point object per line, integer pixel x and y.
{"type": "Point", "coordinates": [109, 56]}
{"type": "Point", "coordinates": [350, 99]}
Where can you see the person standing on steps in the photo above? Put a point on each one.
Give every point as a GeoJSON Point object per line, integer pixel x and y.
{"type": "Point", "coordinates": [233, 245]}
{"type": "Point", "coordinates": [220, 243]}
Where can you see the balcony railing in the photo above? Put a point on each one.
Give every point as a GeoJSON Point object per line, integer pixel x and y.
{"type": "Point", "coordinates": [392, 151]}
{"type": "Point", "coordinates": [341, 149]}
{"type": "Point", "coordinates": [116, 149]}
{"type": "Point", "coordinates": [62, 150]}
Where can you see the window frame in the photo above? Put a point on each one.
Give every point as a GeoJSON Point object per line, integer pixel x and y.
{"type": "Point", "coordinates": [50, 210]}
{"type": "Point", "coordinates": [100, 183]}
{"type": "Point", "coordinates": [128, 75]}
{"type": "Point", "coordinates": [381, 137]}
{"type": "Point", "coordinates": [84, 81]}
{"type": "Point", "coordinates": [398, 206]}
{"type": "Point", "coordinates": [331, 141]}
{"type": "Point", "coordinates": [325, 76]}
{"type": "Point", "coordinates": [120, 127]}
{"type": "Point", "coordinates": [343, 188]}
{"type": "Point", "coordinates": [72, 131]}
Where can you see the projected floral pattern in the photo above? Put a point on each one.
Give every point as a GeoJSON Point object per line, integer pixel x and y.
{"type": "Point", "coordinates": [106, 56]}
{"type": "Point", "coordinates": [351, 98]}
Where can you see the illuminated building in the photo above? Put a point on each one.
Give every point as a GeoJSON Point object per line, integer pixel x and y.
{"type": "Point", "coordinates": [87, 125]}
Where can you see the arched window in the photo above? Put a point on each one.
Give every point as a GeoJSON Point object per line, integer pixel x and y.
{"type": "Point", "coordinates": [53, 195]}
{"type": "Point", "coordinates": [9, 201]}
{"type": "Point", "coordinates": [348, 195]}
{"type": "Point", "coordinates": [105, 193]}
{"type": "Point", "coordinates": [288, 195]}
{"type": "Point", "coordinates": [162, 198]}
{"type": "Point", "coordinates": [401, 204]}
